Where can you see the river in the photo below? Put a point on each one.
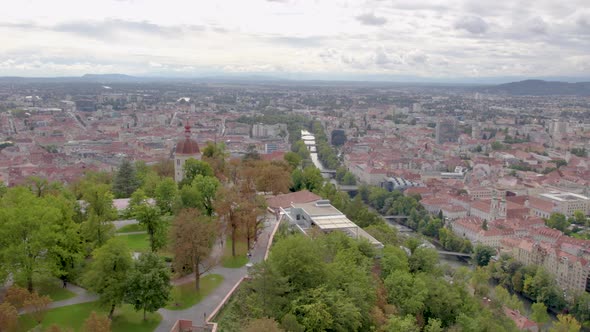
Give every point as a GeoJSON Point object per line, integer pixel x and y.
{"type": "Point", "coordinates": [309, 140]}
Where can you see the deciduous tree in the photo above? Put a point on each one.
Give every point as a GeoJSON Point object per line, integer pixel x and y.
{"type": "Point", "coordinates": [28, 235]}
{"type": "Point", "coordinates": [8, 317]}
{"type": "Point", "coordinates": [262, 324]}
{"type": "Point", "coordinates": [539, 314]}
{"type": "Point", "coordinates": [108, 273]}
{"type": "Point", "coordinates": [148, 286]}
{"type": "Point", "coordinates": [97, 323]}
{"type": "Point", "coordinates": [149, 216]}
{"type": "Point", "coordinates": [565, 323]}
{"type": "Point", "coordinates": [193, 235]}
{"type": "Point", "coordinates": [37, 306]}
{"type": "Point", "coordinates": [483, 254]}
{"type": "Point", "coordinates": [192, 168]}
{"type": "Point", "coordinates": [166, 194]}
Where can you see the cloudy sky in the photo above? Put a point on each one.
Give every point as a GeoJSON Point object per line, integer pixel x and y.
{"type": "Point", "coordinates": [422, 38]}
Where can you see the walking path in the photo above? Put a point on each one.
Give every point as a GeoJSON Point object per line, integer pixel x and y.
{"type": "Point", "coordinates": [82, 296]}
{"type": "Point", "coordinates": [131, 233]}
{"type": "Point", "coordinates": [120, 223]}
{"type": "Point", "coordinates": [201, 310]}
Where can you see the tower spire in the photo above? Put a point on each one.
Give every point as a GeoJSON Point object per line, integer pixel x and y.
{"type": "Point", "coordinates": [187, 130]}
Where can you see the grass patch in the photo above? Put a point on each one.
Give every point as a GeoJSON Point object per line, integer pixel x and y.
{"type": "Point", "coordinates": [137, 242]}
{"type": "Point", "coordinates": [131, 228]}
{"type": "Point", "coordinates": [54, 289]}
{"type": "Point", "coordinates": [73, 316]}
{"type": "Point", "coordinates": [239, 260]}
{"type": "Point", "coordinates": [185, 296]}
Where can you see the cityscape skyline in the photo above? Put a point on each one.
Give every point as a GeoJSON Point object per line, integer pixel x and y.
{"type": "Point", "coordinates": [347, 40]}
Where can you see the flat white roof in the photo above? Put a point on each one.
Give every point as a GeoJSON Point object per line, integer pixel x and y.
{"type": "Point", "coordinates": [562, 197]}
{"type": "Point", "coordinates": [333, 222]}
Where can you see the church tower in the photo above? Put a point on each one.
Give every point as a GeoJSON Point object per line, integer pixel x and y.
{"type": "Point", "coordinates": [185, 148]}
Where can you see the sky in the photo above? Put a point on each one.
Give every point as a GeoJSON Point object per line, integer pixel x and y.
{"type": "Point", "coordinates": [431, 39]}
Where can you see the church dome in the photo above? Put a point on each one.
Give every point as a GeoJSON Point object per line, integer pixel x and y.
{"type": "Point", "coordinates": [187, 145]}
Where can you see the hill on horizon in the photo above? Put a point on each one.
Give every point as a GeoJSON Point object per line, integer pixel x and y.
{"type": "Point", "coordinates": [539, 88]}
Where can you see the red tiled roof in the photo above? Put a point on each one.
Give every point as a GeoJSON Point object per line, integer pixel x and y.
{"type": "Point", "coordinates": [285, 200]}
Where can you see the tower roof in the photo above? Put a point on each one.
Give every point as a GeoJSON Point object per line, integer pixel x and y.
{"type": "Point", "coordinates": [187, 145]}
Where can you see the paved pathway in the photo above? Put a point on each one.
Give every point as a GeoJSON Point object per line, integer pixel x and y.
{"type": "Point", "coordinates": [131, 233]}
{"type": "Point", "coordinates": [120, 223]}
{"type": "Point", "coordinates": [198, 312]}
{"type": "Point", "coordinates": [82, 296]}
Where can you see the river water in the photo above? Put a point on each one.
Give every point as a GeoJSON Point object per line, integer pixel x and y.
{"type": "Point", "coordinates": [309, 140]}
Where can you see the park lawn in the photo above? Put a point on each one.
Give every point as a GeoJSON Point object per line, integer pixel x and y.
{"type": "Point", "coordinates": [137, 242]}
{"type": "Point", "coordinates": [131, 228]}
{"type": "Point", "coordinates": [185, 296]}
{"type": "Point", "coordinates": [73, 316]}
{"type": "Point", "coordinates": [54, 289]}
{"type": "Point", "coordinates": [241, 257]}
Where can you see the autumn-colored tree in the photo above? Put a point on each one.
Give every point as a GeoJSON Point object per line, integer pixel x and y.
{"type": "Point", "coordinates": [37, 306]}
{"type": "Point", "coordinates": [262, 324]}
{"type": "Point", "coordinates": [97, 323]}
{"type": "Point", "coordinates": [193, 235]}
{"type": "Point", "coordinates": [164, 168]}
{"type": "Point", "coordinates": [273, 178]}
{"type": "Point", "coordinates": [16, 296]}
{"type": "Point", "coordinates": [238, 210]}
{"type": "Point", "coordinates": [8, 317]}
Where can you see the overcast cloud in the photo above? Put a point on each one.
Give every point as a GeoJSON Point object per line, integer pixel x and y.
{"type": "Point", "coordinates": [423, 38]}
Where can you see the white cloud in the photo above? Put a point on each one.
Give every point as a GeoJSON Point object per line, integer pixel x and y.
{"type": "Point", "coordinates": [436, 38]}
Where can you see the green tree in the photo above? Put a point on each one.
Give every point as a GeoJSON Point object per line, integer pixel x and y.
{"type": "Point", "coordinates": [434, 325]}
{"type": "Point", "coordinates": [28, 235]}
{"type": "Point", "coordinates": [557, 221]}
{"type": "Point", "coordinates": [293, 159]}
{"type": "Point", "coordinates": [206, 190]}
{"type": "Point", "coordinates": [192, 168]}
{"type": "Point", "coordinates": [423, 260]}
{"type": "Point", "coordinates": [99, 201]}
{"type": "Point", "coordinates": [192, 238]}
{"type": "Point", "coordinates": [166, 194]}
{"type": "Point", "coordinates": [148, 286]}
{"type": "Point", "coordinates": [137, 198]}
{"type": "Point", "coordinates": [398, 323]}
{"type": "Point", "coordinates": [349, 179]}
{"type": "Point", "coordinates": [149, 216]}
{"type": "Point", "coordinates": [483, 254]}
{"type": "Point", "coordinates": [108, 273]}
{"type": "Point", "coordinates": [394, 259]}
{"type": "Point", "coordinates": [497, 146]}
{"type": "Point", "coordinates": [580, 218]}
{"type": "Point", "coordinates": [565, 323]}
{"type": "Point", "coordinates": [125, 181]}
{"type": "Point", "coordinates": [539, 314]}
{"type": "Point", "coordinates": [480, 281]}
{"type": "Point", "coordinates": [407, 292]}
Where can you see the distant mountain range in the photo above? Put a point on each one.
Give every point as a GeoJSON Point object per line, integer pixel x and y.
{"type": "Point", "coordinates": [532, 87]}
{"type": "Point", "coordinates": [539, 88]}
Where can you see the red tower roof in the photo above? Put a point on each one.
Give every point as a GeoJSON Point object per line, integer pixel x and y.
{"type": "Point", "coordinates": [187, 145]}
